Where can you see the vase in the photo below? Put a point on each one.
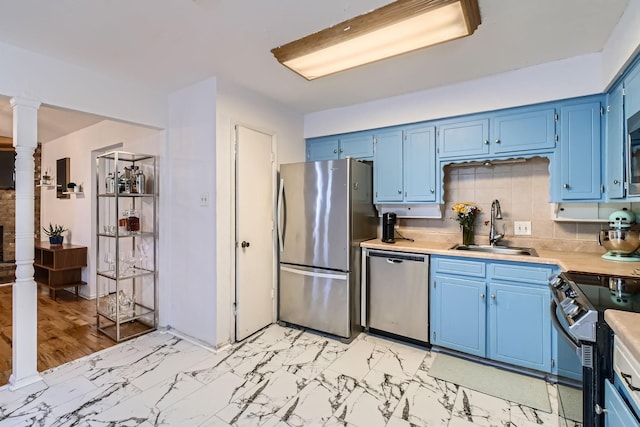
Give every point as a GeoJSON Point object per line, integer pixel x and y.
{"type": "Point", "coordinates": [468, 236]}
{"type": "Point", "coordinates": [56, 240]}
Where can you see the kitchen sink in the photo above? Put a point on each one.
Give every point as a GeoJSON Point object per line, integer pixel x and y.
{"type": "Point", "coordinates": [497, 249]}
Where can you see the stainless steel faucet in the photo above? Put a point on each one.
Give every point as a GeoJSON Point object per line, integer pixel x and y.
{"type": "Point", "coordinates": [496, 213]}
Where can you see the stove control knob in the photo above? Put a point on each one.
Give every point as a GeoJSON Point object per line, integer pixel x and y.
{"type": "Point", "coordinates": [570, 308]}
{"type": "Point", "coordinates": [575, 310]}
{"type": "Point", "coordinates": [557, 282]}
{"type": "Point", "coordinates": [567, 302]}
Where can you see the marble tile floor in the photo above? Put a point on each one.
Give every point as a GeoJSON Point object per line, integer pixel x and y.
{"type": "Point", "coordinates": [279, 377]}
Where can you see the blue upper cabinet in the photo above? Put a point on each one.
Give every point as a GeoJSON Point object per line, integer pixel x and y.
{"type": "Point", "coordinates": [325, 148]}
{"type": "Point", "coordinates": [518, 132]}
{"type": "Point", "coordinates": [524, 132]}
{"type": "Point", "coordinates": [404, 165]}
{"type": "Point", "coordinates": [579, 166]}
{"type": "Point", "coordinates": [614, 152]}
{"type": "Point", "coordinates": [387, 167]}
{"type": "Point", "coordinates": [358, 145]}
{"type": "Point", "coordinates": [419, 166]}
{"type": "Point", "coordinates": [463, 139]}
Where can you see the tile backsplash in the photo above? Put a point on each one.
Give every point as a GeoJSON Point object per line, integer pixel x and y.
{"type": "Point", "coordinates": [523, 192]}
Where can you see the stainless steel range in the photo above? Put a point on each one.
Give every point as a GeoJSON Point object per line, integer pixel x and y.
{"type": "Point", "coordinates": [585, 340]}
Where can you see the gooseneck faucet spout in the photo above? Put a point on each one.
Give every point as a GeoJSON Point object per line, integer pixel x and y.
{"type": "Point", "coordinates": [496, 213]}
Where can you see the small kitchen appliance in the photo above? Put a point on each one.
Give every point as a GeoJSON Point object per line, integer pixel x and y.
{"type": "Point", "coordinates": [388, 227]}
{"type": "Point", "coordinates": [620, 241]}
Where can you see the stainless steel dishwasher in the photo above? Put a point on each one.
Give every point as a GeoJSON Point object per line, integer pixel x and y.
{"type": "Point", "coordinates": [398, 294]}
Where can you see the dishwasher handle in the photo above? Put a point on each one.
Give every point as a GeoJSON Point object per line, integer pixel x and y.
{"type": "Point", "coordinates": [396, 258]}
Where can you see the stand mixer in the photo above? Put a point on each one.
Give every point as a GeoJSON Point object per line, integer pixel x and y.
{"type": "Point", "coordinates": [620, 241]}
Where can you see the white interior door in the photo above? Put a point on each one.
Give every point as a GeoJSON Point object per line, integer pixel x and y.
{"type": "Point", "coordinates": [255, 248]}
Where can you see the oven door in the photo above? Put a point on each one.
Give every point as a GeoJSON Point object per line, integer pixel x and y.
{"type": "Point", "coordinates": [571, 373]}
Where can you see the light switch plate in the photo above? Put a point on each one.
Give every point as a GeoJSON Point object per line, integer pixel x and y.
{"type": "Point", "coordinates": [204, 199]}
{"type": "Point", "coordinates": [522, 228]}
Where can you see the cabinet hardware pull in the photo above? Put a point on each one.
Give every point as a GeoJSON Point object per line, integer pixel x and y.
{"type": "Point", "coordinates": [245, 244]}
{"type": "Point", "coordinates": [486, 142]}
{"type": "Point", "coordinates": [493, 297]}
{"type": "Point", "coordinates": [433, 191]}
{"type": "Point", "coordinates": [399, 191]}
{"type": "Point", "coordinates": [481, 296]}
{"type": "Point", "coordinates": [616, 182]}
{"type": "Point", "coordinates": [565, 185]}
{"type": "Point", "coordinates": [599, 409]}
{"type": "Point", "coordinates": [335, 150]}
{"type": "Point", "coordinates": [627, 379]}
{"type": "Point", "coordinates": [497, 140]}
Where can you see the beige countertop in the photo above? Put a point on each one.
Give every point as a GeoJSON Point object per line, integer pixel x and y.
{"type": "Point", "coordinates": [626, 326]}
{"type": "Point", "coordinates": [568, 261]}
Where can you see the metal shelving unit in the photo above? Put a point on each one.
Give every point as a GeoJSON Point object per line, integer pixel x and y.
{"type": "Point", "coordinates": [127, 295]}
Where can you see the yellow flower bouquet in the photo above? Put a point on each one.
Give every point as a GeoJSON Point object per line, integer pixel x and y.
{"type": "Point", "coordinates": [466, 213]}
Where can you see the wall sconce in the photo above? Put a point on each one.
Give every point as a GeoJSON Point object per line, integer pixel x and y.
{"type": "Point", "coordinates": [399, 27]}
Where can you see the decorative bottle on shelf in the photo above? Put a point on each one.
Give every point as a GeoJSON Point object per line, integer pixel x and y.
{"type": "Point", "coordinates": [139, 180]}
{"type": "Point", "coordinates": [133, 221]}
{"type": "Point", "coordinates": [110, 183]}
{"type": "Point", "coordinates": [122, 223]}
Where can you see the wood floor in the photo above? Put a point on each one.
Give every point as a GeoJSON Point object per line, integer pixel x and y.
{"type": "Point", "coordinates": [66, 330]}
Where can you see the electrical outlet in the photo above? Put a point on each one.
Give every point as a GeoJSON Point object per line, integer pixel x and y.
{"type": "Point", "coordinates": [522, 228]}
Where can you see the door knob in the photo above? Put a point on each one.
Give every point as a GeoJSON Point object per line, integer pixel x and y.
{"type": "Point", "coordinates": [244, 244]}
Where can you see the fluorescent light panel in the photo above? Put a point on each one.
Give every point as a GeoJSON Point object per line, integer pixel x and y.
{"type": "Point", "coordinates": [400, 27]}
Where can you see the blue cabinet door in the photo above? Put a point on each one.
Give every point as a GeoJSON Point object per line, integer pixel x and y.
{"type": "Point", "coordinates": [458, 314]}
{"type": "Point", "coordinates": [580, 164]}
{"type": "Point", "coordinates": [520, 325]}
{"type": "Point", "coordinates": [358, 146]}
{"type": "Point", "coordinates": [617, 414]}
{"type": "Point", "coordinates": [614, 151]}
{"type": "Point", "coordinates": [463, 139]}
{"type": "Point", "coordinates": [419, 164]}
{"type": "Point", "coordinates": [524, 132]}
{"type": "Point", "coordinates": [387, 167]}
{"type": "Point", "coordinates": [324, 148]}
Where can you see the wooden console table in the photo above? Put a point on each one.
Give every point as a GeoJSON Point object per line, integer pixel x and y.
{"type": "Point", "coordinates": [59, 266]}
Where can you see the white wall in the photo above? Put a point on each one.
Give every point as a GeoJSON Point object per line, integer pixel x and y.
{"type": "Point", "coordinates": [189, 298]}
{"type": "Point", "coordinates": [75, 213]}
{"type": "Point", "coordinates": [546, 82]}
{"type": "Point", "coordinates": [61, 84]}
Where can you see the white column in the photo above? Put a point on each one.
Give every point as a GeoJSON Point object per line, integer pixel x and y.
{"type": "Point", "coordinates": [25, 290]}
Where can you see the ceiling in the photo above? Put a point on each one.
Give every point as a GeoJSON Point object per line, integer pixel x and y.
{"type": "Point", "coordinates": [169, 44]}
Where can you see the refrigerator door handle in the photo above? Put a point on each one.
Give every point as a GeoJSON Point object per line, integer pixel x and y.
{"type": "Point", "coordinates": [280, 225]}
{"type": "Point", "coordinates": [338, 276]}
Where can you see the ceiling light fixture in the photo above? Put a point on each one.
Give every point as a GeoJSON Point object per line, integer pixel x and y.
{"type": "Point", "coordinates": [399, 27]}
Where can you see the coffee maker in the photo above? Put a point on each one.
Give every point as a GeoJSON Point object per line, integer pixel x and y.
{"type": "Point", "coordinates": [388, 227]}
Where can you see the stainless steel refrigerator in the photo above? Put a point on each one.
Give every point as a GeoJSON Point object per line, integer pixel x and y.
{"type": "Point", "coordinates": [325, 209]}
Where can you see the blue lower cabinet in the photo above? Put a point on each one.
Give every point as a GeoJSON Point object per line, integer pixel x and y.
{"type": "Point", "coordinates": [617, 413]}
{"type": "Point", "coordinates": [497, 310]}
{"type": "Point", "coordinates": [519, 325]}
{"type": "Point", "coordinates": [458, 318]}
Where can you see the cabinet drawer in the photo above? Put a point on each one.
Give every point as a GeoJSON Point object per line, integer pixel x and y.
{"type": "Point", "coordinates": [529, 274]}
{"type": "Point", "coordinates": [628, 370]}
{"type": "Point", "coordinates": [459, 266]}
